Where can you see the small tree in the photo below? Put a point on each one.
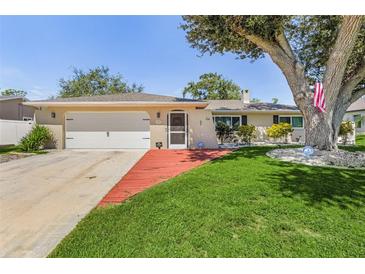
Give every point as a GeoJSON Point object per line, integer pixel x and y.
{"type": "Point", "coordinates": [346, 128]}
{"type": "Point", "coordinates": [212, 86]}
{"type": "Point", "coordinates": [246, 133]}
{"type": "Point", "coordinates": [223, 131]}
{"type": "Point", "coordinates": [255, 100]}
{"type": "Point", "coordinates": [275, 100]}
{"type": "Point", "coordinates": [280, 130]}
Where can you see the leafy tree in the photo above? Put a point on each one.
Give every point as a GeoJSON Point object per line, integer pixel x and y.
{"type": "Point", "coordinates": [14, 92]}
{"type": "Point", "coordinates": [96, 81]}
{"type": "Point", "coordinates": [346, 128]}
{"type": "Point", "coordinates": [330, 49]}
{"type": "Point", "coordinates": [246, 133]}
{"type": "Point", "coordinates": [277, 131]}
{"type": "Point", "coordinates": [255, 100]}
{"type": "Point", "coordinates": [275, 100]}
{"type": "Point", "coordinates": [212, 86]}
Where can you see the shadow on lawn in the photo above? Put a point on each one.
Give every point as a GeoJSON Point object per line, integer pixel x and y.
{"type": "Point", "coordinates": [315, 185]}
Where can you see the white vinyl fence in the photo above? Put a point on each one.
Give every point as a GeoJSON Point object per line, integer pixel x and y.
{"type": "Point", "coordinates": [12, 131]}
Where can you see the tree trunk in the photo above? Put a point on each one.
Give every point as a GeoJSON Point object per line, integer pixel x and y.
{"type": "Point", "coordinates": [319, 131]}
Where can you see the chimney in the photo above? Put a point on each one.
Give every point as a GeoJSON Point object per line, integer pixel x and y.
{"type": "Point", "coordinates": [245, 96]}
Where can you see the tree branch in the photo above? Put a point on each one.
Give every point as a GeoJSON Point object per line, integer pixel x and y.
{"type": "Point", "coordinates": [284, 44]}
{"type": "Point", "coordinates": [340, 54]}
{"type": "Point", "coordinates": [356, 95]}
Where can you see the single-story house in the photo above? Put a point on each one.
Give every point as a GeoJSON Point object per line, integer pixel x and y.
{"type": "Point", "coordinates": [356, 114]}
{"type": "Point", "coordinates": [142, 120]}
{"type": "Point", "coordinates": [11, 108]}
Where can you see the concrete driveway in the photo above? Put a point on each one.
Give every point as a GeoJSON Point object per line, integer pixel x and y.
{"type": "Point", "coordinates": [43, 197]}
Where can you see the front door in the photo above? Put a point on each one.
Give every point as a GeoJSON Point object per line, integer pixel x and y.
{"type": "Point", "coordinates": [177, 130]}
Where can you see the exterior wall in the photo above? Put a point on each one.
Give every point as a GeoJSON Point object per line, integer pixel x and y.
{"type": "Point", "coordinates": [349, 116]}
{"type": "Point", "coordinates": [201, 126]}
{"type": "Point", "coordinates": [14, 110]}
{"type": "Point", "coordinates": [264, 120]}
{"type": "Point", "coordinates": [58, 140]}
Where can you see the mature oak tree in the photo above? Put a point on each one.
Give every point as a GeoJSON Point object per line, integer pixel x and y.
{"type": "Point", "coordinates": [212, 86]}
{"type": "Point", "coordinates": [96, 81]}
{"type": "Point", "coordinates": [330, 49]}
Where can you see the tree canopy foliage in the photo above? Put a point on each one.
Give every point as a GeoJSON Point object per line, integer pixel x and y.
{"type": "Point", "coordinates": [97, 81]}
{"type": "Point", "coordinates": [13, 92]}
{"type": "Point", "coordinates": [311, 38]}
{"type": "Point", "coordinates": [212, 86]}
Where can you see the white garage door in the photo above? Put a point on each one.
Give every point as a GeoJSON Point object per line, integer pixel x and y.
{"type": "Point", "coordinates": [107, 130]}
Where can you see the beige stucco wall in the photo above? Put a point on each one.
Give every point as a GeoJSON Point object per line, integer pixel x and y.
{"type": "Point", "coordinates": [264, 120]}
{"type": "Point", "coordinates": [14, 110]}
{"type": "Point", "coordinates": [201, 126]}
{"type": "Point", "coordinates": [57, 133]}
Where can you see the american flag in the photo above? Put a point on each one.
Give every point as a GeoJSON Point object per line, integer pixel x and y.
{"type": "Point", "coordinates": [319, 100]}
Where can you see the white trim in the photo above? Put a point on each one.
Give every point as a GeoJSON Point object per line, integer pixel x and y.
{"type": "Point", "coordinates": [178, 146]}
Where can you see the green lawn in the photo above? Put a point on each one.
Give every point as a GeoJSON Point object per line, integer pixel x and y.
{"type": "Point", "coordinates": [242, 205]}
{"type": "Point", "coordinates": [15, 149]}
{"type": "Point", "coordinates": [8, 149]}
{"type": "Point", "coordinates": [360, 144]}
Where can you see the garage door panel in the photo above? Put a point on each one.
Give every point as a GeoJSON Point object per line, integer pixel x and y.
{"type": "Point", "coordinates": [128, 121]}
{"type": "Point", "coordinates": [107, 130]}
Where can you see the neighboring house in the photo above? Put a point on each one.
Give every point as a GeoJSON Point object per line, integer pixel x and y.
{"type": "Point", "coordinates": [141, 120]}
{"type": "Point", "coordinates": [356, 114]}
{"type": "Point", "coordinates": [11, 108]}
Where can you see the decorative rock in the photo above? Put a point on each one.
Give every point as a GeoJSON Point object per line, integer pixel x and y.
{"type": "Point", "coordinates": [339, 158]}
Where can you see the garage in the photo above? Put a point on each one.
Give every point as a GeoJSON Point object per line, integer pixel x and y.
{"type": "Point", "coordinates": [107, 130]}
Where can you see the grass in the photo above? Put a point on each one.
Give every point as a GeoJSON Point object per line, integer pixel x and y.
{"type": "Point", "coordinates": [242, 205]}
{"type": "Point", "coordinates": [16, 149]}
{"type": "Point", "coordinates": [9, 149]}
{"type": "Point", "coordinates": [360, 144]}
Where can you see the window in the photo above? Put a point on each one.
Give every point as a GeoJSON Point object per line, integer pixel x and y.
{"type": "Point", "coordinates": [284, 119]}
{"type": "Point", "coordinates": [357, 120]}
{"type": "Point", "coordinates": [235, 122]}
{"type": "Point", "coordinates": [297, 121]}
{"type": "Point", "coordinates": [232, 121]}
{"type": "Point", "coordinates": [27, 118]}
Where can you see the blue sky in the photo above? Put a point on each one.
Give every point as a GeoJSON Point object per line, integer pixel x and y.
{"type": "Point", "coordinates": [36, 51]}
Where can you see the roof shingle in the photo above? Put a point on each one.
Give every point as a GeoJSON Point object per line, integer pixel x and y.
{"type": "Point", "coordinates": [122, 97]}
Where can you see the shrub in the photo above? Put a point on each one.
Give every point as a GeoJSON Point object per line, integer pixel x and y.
{"type": "Point", "coordinates": [36, 139]}
{"type": "Point", "coordinates": [223, 131]}
{"type": "Point", "coordinates": [246, 133]}
{"type": "Point", "coordinates": [277, 131]}
{"type": "Point", "coordinates": [345, 129]}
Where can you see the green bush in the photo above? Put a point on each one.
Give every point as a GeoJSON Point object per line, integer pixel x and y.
{"type": "Point", "coordinates": [345, 129]}
{"type": "Point", "coordinates": [246, 133]}
{"type": "Point", "coordinates": [280, 130]}
{"type": "Point", "coordinates": [36, 139]}
{"type": "Point", "coordinates": [223, 131]}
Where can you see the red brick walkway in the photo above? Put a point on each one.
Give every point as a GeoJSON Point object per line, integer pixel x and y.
{"type": "Point", "coordinates": [155, 167]}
